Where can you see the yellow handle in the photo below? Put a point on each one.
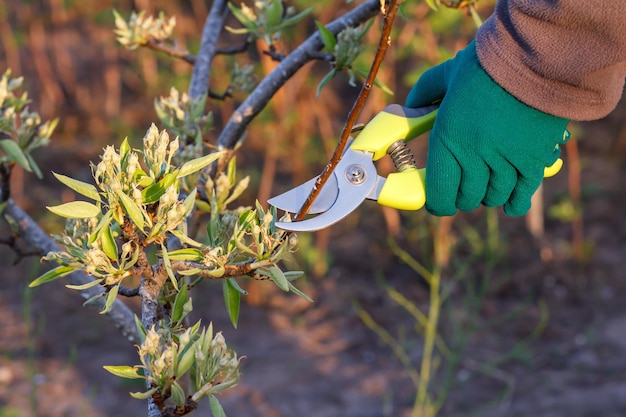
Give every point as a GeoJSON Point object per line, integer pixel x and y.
{"type": "Point", "coordinates": [553, 169]}
{"type": "Point", "coordinates": [393, 123]}
{"type": "Point", "coordinates": [406, 190]}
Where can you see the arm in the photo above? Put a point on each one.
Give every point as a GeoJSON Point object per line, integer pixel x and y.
{"type": "Point", "coordinates": [566, 57]}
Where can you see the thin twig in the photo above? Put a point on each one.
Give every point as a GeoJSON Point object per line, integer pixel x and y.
{"type": "Point", "coordinates": [5, 181]}
{"type": "Point", "coordinates": [172, 51]}
{"type": "Point", "coordinates": [274, 54]}
{"type": "Point", "coordinates": [383, 45]}
{"type": "Point", "coordinates": [230, 271]}
{"type": "Point", "coordinates": [223, 96]}
{"type": "Point", "coordinates": [323, 56]}
{"type": "Point", "coordinates": [128, 292]}
{"type": "Point", "coordinates": [232, 50]}
{"type": "Point", "coordinates": [306, 52]}
{"type": "Point", "coordinates": [20, 253]}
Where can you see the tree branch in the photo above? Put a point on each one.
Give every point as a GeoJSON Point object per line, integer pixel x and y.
{"type": "Point", "coordinates": [232, 50]}
{"type": "Point", "coordinates": [120, 314]}
{"type": "Point", "coordinates": [199, 84]}
{"type": "Point", "coordinates": [230, 271]}
{"type": "Point", "coordinates": [266, 89]}
{"type": "Point", "coordinates": [383, 45]}
{"type": "Point", "coordinates": [151, 284]}
{"type": "Point", "coordinates": [171, 51]}
{"type": "Point", "coordinates": [20, 253]}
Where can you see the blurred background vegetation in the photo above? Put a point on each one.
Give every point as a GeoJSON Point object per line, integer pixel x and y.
{"type": "Point", "coordinates": [496, 278]}
{"type": "Point", "coordinates": [75, 70]}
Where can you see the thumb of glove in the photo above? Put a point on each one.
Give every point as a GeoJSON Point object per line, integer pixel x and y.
{"type": "Point", "coordinates": [431, 86]}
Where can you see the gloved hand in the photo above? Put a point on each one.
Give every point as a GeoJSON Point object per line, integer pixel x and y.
{"type": "Point", "coordinates": [486, 147]}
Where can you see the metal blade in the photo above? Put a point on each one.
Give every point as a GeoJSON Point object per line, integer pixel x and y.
{"type": "Point", "coordinates": [292, 200]}
{"type": "Point", "coordinates": [350, 194]}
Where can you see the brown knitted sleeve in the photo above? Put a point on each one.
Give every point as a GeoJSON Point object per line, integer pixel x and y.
{"type": "Point", "coordinates": [563, 57]}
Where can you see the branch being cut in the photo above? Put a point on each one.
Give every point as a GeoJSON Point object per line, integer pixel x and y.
{"type": "Point", "coordinates": [306, 52]}
{"type": "Point", "coordinates": [383, 45]}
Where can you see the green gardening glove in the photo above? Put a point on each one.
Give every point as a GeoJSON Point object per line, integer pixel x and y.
{"type": "Point", "coordinates": [486, 147]}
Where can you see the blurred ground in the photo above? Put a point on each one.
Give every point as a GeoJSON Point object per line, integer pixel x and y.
{"type": "Point", "coordinates": [548, 339]}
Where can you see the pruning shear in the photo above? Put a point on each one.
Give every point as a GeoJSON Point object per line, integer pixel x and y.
{"type": "Point", "coordinates": [355, 178]}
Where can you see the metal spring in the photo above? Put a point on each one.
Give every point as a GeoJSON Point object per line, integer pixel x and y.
{"type": "Point", "coordinates": [401, 156]}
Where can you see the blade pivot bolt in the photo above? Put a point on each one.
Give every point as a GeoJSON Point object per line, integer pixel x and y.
{"type": "Point", "coordinates": [355, 174]}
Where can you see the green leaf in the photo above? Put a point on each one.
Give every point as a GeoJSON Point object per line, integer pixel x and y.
{"type": "Point", "coordinates": [186, 359]}
{"type": "Point", "coordinates": [215, 272]}
{"type": "Point", "coordinates": [168, 266]}
{"type": "Point", "coordinates": [325, 81]}
{"type": "Point", "coordinates": [143, 395]}
{"type": "Point", "coordinates": [34, 166]}
{"type": "Point", "coordinates": [124, 149]}
{"type": "Point", "coordinates": [124, 371]}
{"type": "Point", "coordinates": [187, 254]}
{"type": "Point", "coordinates": [274, 13]}
{"type": "Point", "coordinates": [328, 39]}
{"type": "Point", "coordinates": [46, 129]}
{"type": "Point", "coordinates": [142, 179]}
{"type": "Point", "coordinates": [108, 244]}
{"type": "Point", "coordinates": [246, 217]}
{"type": "Point", "coordinates": [197, 164]}
{"type": "Point", "coordinates": [190, 272]}
{"type": "Point", "coordinates": [237, 191]}
{"type": "Point", "coordinates": [216, 407]}
{"type": "Point", "coordinates": [231, 171]}
{"type": "Point", "coordinates": [203, 206]}
{"type": "Point", "coordinates": [296, 291]}
{"type": "Point", "coordinates": [104, 222]}
{"type": "Point", "coordinates": [178, 395]}
{"type": "Point", "coordinates": [243, 19]}
{"type": "Point", "coordinates": [259, 210]}
{"type": "Point", "coordinates": [295, 18]}
{"type": "Point", "coordinates": [278, 277]}
{"type": "Point", "coordinates": [110, 298]}
{"type": "Point", "coordinates": [84, 286]}
{"type": "Point", "coordinates": [236, 286]}
{"type": "Point", "coordinates": [80, 187]}
{"type": "Point", "coordinates": [241, 31]}
{"type": "Point", "coordinates": [188, 204]}
{"type": "Point", "coordinates": [75, 210]}
{"type": "Point", "coordinates": [232, 299]}
{"type": "Point", "coordinates": [92, 299]}
{"type": "Point", "coordinates": [152, 193]}
{"type": "Point", "coordinates": [51, 275]}
{"type": "Point", "coordinates": [15, 153]}
{"type": "Point", "coordinates": [132, 209]}
{"type": "Point", "coordinates": [293, 275]}
{"type": "Point", "coordinates": [179, 304]}
{"type": "Point", "coordinates": [141, 330]}
{"type": "Point", "coordinates": [186, 239]}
